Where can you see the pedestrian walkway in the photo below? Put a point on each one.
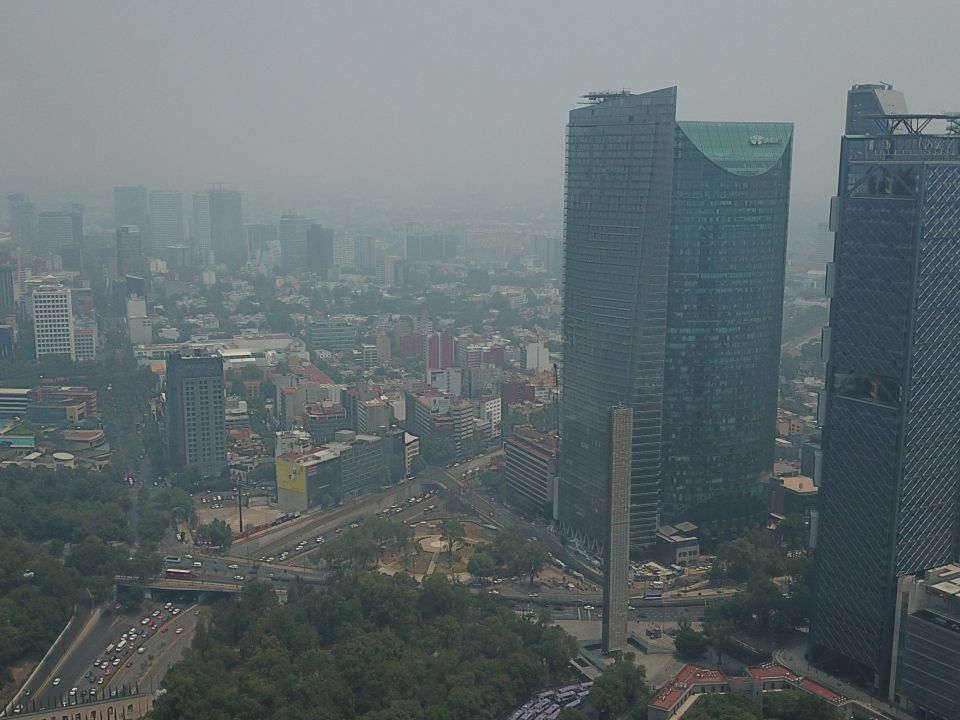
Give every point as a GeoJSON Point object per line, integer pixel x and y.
{"type": "Point", "coordinates": [794, 657]}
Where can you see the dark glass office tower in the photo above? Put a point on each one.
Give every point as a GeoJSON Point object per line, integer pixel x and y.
{"type": "Point", "coordinates": [293, 243]}
{"type": "Point", "coordinates": [130, 257]}
{"type": "Point", "coordinates": [320, 254]}
{"type": "Point", "coordinates": [891, 459]}
{"type": "Point", "coordinates": [731, 193]}
{"type": "Point", "coordinates": [57, 229]}
{"type": "Point", "coordinates": [617, 226]}
{"type": "Point", "coordinates": [228, 237]}
{"type": "Point", "coordinates": [23, 221]}
{"type": "Point", "coordinates": [132, 207]}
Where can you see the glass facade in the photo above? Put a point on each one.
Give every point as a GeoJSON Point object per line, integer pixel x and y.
{"type": "Point", "coordinates": [891, 462]}
{"type": "Point", "coordinates": [228, 237]}
{"type": "Point", "coordinates": [617, 227]}
{"type": "Point", "coordinates": [929, 660]}
{"type": "Point", "coordinates": [731, 192]}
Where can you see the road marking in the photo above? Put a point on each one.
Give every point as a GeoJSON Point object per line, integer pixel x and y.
{"type": "Point", "coordinates": [187, 633]}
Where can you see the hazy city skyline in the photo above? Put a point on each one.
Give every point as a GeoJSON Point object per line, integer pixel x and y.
{"type": "Point", "coordinates": [419, 102]}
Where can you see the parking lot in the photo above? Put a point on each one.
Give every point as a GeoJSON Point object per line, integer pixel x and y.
{"type": "Point", "coordinates": [208, 508]}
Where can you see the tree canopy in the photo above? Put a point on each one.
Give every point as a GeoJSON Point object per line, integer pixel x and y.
{"type": "Point", "coordinates": [61, 531]}
{"type": "Point", "coordinates": [368, 646]}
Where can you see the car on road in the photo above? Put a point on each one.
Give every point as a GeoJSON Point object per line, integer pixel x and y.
{"type": "Point", "coordinates": [56, 681]}
{"type": "Point", "coordinates": [238, 578]}
{"type": "Point", "coordinates": [179, 630]}
{"type": "Point", "coordinates": [588, 607]}
{"type": "Point", "coordinates": [176, 611]}
{"type": "Point", "coordinates": [234, 566]}
{"type": "Point", "coordinates": [155, 613]}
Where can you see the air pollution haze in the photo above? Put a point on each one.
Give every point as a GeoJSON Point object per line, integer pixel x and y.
{"type": "Point", "coordinates": [426, 103]}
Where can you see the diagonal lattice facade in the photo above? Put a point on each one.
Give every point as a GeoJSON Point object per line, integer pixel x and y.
{"type": "Point", "coordinates": [889, 496]}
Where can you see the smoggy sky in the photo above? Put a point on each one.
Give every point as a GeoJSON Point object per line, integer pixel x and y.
{"type": "Point", "coordinates": [430, 103]}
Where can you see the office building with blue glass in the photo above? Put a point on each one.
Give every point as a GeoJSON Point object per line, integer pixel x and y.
{"type": "Point", "coordinates": [616, 247]}
{"type": "Point", "coordinates": [888, 501]}
{"type": "Point", "coordinates": [728, 240]}
{"type": "Point", "coordinates": [674, 252]}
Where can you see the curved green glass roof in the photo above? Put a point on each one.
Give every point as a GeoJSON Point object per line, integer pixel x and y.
{"type": "Point", "coordinates": [740, 148]}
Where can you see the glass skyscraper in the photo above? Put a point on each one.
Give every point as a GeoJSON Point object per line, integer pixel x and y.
{"type": "Point", "coordinates": [132, 207]}
{"type": "Point", "coordinates": [673, 292]}
{"type": "Point", "coordinates": [617, 225]}
{"type": "Point", "coordinates": [888, 502]}
{"type": "Point", "coordinates": [731, 193]}
{"type": "Point", "coordinates": [228, 236]}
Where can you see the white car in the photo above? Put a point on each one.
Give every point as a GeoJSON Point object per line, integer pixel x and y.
{"type": "Point", "coordinates": [179, 630]}
{"type": "Point", "coordinates": [234, 567]}
{"type": "Point", "coordinates": [73, 691]}
{"type": "Point", "coordinates": [176, 611]}
{"type": "Point", "coordinates": [56, 681]}
{"type": "Point", "coordinates": [238, 578]}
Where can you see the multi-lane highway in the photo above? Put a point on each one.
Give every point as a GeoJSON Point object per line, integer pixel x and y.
{"type": "Point", "coordinates": [317, 523]}
{"type": "Point", "coordinates": [87, 671]}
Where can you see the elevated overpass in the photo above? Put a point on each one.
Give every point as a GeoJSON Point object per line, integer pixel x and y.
{"type": "Point", "coordinates": [169, 585]}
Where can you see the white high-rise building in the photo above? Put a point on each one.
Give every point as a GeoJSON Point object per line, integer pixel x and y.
{"type": "Point", "coordinates": [344, 252]}
{"type": "Point", "coordinates": [490, 409]}
{"type": "Point", "coordinates": [52, 307]}
{"type": "Point", "coordinates": [538, 357]}
{"type": "Point", "coordinates": [166, 219]}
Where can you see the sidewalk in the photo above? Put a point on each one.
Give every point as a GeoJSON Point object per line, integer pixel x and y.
{"type": "Point", "coordinates": [793, 657]}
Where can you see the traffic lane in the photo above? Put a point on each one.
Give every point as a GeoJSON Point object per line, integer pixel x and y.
{"type": "Point", "coordinates": [171, 654]}
{"type": "Point", "coordinates": [137, 664]}
{"type": "Point", "coordinates": [592, 610]}
{"type": "Point", "coordinates": [45, 672]}
{"type": "Point", "coordinates": [73, 665]}
{"type": "Point", "coordinates": [265, 544]}
{"type": "Point", "coordinates": [416, 511]}
{"type": "Point", "coordinates": [412, 516]}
